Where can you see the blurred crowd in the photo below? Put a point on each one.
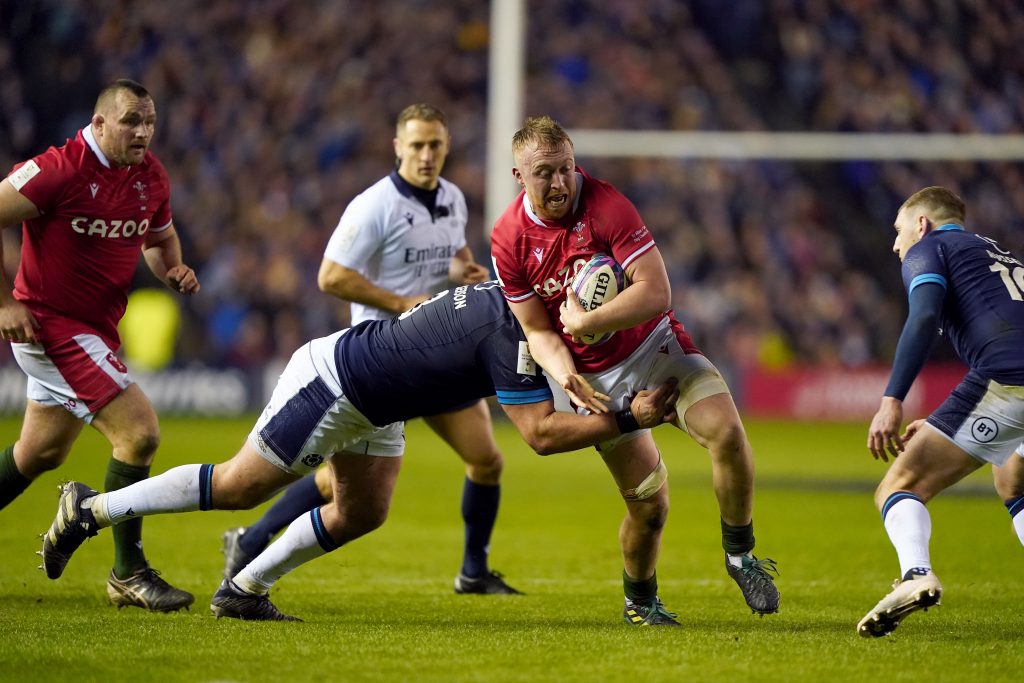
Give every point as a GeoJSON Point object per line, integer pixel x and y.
{"type": "Point", "coordinates": [274, 114]}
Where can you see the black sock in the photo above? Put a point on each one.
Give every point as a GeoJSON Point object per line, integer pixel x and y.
{"type": "Point", "coordinates": [128, 555]}
{"type": "Point", "coordinates": [737, 540]}
{"type": "Point", "coordinates": [12, 481]}
{"type": "Point", "coordinates": [479, 512]}
{"type": "Point", "coordinates": [640, 591]}
{"type": "Point", "coordinates": [298, 499]}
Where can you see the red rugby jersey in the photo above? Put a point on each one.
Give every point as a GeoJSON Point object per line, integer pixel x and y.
{"type": "Point", "coordinates": [536, 257]}
{"type": "Point", "coordinates": [79, 255]}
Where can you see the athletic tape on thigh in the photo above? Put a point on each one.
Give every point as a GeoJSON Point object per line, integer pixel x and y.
{"type": "Point", "coordinates": [649, 486]}
{"type": "Point", "coordinates": [697, 387]}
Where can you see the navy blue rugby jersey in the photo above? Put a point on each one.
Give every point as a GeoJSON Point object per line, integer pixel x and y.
{"type": "Point", "coordinates": [461, 345]}
{"type": "Point", "coordinates": [983, 310]}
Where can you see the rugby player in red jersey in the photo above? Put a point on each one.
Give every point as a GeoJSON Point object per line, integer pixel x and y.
{"type": "Point", "coordinates": [87, 209]}
{"type": "Point", "coordinates": [561, 219]}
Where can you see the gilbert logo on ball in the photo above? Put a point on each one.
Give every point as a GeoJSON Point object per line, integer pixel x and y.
{"type": "Point", "coordinates": [597, 283]}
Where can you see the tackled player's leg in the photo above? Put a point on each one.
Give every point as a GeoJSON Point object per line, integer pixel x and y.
{"type": "Point", "coordinates": [635, 464]}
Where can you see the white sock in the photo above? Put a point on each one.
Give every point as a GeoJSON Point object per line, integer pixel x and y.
{"type": "Point", "coordinates": [910, 527]}
{"type": "Point", "coordinates": [737, 560]}
{"type": "Point", "coordinates": [176, 490]}
{"type": "Point", "coordinates": [299, 544]}
{"type": "Point", "coordinates": [1018, 525]}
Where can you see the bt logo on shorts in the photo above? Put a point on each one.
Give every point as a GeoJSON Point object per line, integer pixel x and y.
{"type": "Point", "coordinates": [312, 460]}
{"type": "Point", "coordinates": [984, 429]}
{"type": "Point", "coordinates": [84, 225]}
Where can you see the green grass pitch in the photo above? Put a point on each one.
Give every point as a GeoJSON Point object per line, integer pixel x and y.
{"type": "Point", "coordinates": [383, 609]}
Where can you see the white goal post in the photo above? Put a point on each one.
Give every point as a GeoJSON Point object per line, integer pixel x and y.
{"type": "Point", "coordinates": [505, 113]}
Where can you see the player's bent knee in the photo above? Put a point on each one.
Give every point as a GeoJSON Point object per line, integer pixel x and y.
{"type": "Point", "coordinates": [488, 472]}
{"type": "Point", "coordinates": [364, 520]}
{"type": "Point", "coordinates": [46, 459]}
{"type": "Point", "coordinates": [651, 484]}
{"type": "Point", "coordinates": [141, 447]}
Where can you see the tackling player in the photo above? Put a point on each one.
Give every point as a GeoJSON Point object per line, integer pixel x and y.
{"type": "Point", "coordinates": [561, 219]}
{"type": "Point", "coordinates": [397, 243]}
{"type": "Point", "coordinates": [344, 398]}
{"type": "Point", "coordinates": [88, 208]}
{"type": "Point", "coordinates": [970, 290]}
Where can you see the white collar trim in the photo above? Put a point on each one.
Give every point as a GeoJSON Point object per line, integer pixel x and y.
{"type": "Point", "coordinates": [90, 140]}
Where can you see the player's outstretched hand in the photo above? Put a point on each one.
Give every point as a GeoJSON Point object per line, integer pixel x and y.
{"type": "Point", "coordinates": [654, 407]}
{"type": "Point", "coordinates": [466, 273]}
{"type": "Point", "coordinates": [584, 395]}
{"type": "Point", "coordinates": [912, 429]}
{"type": "Point", "coordinates": [17, 324]}
{"type": "Point", "coordinates": [884, 433]}
{"type": "Point", "coordinates": [183, 279]}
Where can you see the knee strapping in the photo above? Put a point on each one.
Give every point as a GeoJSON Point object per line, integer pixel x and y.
{"type": "Point", "coordinates": [649, 486]}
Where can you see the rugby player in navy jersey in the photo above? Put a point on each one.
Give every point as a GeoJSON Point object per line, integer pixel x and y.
{"type": "Point", "coordinates": [343, 399]}
{"type": "Point", "coordinates": [399, 242]}
{"type": "Point", "coordinates": [968, 289]}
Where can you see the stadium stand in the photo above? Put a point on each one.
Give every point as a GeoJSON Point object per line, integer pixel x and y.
{"type": "Point", "coordinates": [274, 114]}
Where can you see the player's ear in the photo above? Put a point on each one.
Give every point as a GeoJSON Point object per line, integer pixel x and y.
{"type": "Point", "coordinates": [97, 121]}
{"type": "Point", "coordinates": [518, 176]}
{"type": "Point", "coordinates": [398, 149]}
{"type": "Point", "coordinates": [924, 225]}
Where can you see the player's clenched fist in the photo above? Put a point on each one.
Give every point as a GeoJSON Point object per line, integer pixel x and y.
{"type": "Point", "coordinates": [183, 279]}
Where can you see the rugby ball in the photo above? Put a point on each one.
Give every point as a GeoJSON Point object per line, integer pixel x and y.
{"type": "Point", "coordinates": [596, 283]}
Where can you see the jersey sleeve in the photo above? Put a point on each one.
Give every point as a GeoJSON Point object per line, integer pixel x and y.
{"type": "Point", "coordinates": [42, 179]}
{"type": "Point", "coordinates": [622, 228]}
{"type": "Point", "coordinates": [923, 263]}
{"type": "Point", "coordinates": [517, 378]}
{"type": "Point", "coordinates": [359, 233]}
{"type": "Point", "coordinates": [162, 218]}
{"type": "Point", "coordinates": [510, 272]}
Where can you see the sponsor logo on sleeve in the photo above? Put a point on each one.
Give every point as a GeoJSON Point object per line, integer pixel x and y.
{"type": "Point", "coordinates": [525, 364]}
{"type": "Point", "coordinates": [24, 174]}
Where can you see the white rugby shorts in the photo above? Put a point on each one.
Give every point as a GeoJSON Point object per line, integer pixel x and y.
{"type": "Point", "coordinates": [80, 373]}
{"type": "Point", "coordinates": [658, 358]}
{"type": "Point", "coordinates": [308, 419]}
{"type": "Point", "coordinates": [984, 418]}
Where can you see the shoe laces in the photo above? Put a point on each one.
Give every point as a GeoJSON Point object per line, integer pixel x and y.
{"type": "Point", "coordinates": [655, 608]}
{"type": "Point", "coordinates": [758, 569]}
{"type": "Point", "coordinates": [148, 575]}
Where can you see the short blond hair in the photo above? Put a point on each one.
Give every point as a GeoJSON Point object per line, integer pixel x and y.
{"type": "Point", "coordinates": [420, 112]}
{"type": "Point", "coordinates": [941, 204]}
{"type": "Point", "coordinates": [542, 131]}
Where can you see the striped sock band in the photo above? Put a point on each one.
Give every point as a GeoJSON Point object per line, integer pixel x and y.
{"type": "Point", "coordinates": [206, 487]}
{"type": "Point", "coordinates": [895, 498]}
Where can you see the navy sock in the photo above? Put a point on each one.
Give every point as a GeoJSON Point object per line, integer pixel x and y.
{"type": "Point", "coordinates": [479, 512]}
{"type": "Point", "coordinates": [298, 499]}
{"type": "Point", "coordinates": [1014, 505]}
